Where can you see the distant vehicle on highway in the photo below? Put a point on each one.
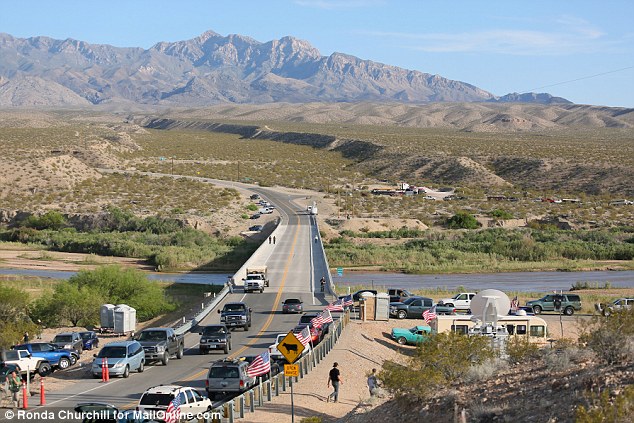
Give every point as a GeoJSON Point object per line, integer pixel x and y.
{"type": "Point", "coordinates": [292, 305]}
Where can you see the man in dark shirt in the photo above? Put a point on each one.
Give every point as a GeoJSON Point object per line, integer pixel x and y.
{"type": "Point", "coordinates": [334, 377]}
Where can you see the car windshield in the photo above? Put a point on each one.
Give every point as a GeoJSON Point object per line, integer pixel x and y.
{"type": "Point", "coordinates": [234, 307]}
{"type": "Point", "coordinates": [410, 300]}
{"type": "Point", "coordinates": [213, 330]}
{"type": "Point", "coordinates": [112, 352]}
{"type": "Point", "coordinates": [152, 335]}
{"type": "Point", "coordinates": [292, 301]}
{"type": "Point", "coordinates": [306, 318]}
{"type": "Point", "coordinates": [223, 372]}
{"type": "Point", "coordinates": [156, 399]}
{"type": "Point", "coordinates": [86, 335]}
{"type": "Point", "coordinates": [63, 338]}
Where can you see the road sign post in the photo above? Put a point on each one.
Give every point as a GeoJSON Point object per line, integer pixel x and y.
{"type": "Point", "coordinates": [291, 348]}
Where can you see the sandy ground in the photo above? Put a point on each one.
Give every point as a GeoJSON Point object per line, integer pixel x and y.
{"type": "Point", "coordinates": [363, 346]}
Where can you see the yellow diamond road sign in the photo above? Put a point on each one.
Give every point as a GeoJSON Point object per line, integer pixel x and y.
{"type": "Point", "coordinates": [290, 347]}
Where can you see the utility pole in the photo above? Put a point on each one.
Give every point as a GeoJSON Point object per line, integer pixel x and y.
{"type": "Point", "coordinates": [172, 165]}
{"type": "Point", "coordinates": [339, 203]}
{"type": "Point", "coordinates": [238, 170]}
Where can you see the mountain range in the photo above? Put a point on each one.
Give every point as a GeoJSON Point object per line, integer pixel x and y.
{"type": "Point", "coordinates": [213, 69]}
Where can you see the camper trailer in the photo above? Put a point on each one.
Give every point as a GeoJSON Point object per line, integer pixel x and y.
{"type": "Point", "coordinates": [532, 327]}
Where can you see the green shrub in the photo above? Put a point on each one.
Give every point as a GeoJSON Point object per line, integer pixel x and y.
{"type": "Point", "coordinates": [501, 214]}
{"type": "Point", "coordinates": [252, 207]}
{"type": "Point", "coordinates": [521, 350]}
{"type": "Point", "coordinates": [462, 220]}
{"type": "Point", "coordinates": [14, 318]}
{"type": "Point", "coordinates": [611, 338]}
{"type": "Point", "coordinates": [443, 359]}
{"type": "Point", "coordinates": [607, 407]}
{"type": "Point", "coordinates": [50, 220]}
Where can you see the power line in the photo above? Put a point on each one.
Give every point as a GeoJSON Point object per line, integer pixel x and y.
{"type": "Point", "coordinates": [580, 79]}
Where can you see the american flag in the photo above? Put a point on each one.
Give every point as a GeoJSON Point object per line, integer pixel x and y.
{"type": "Point", "coordinates": [348, 301]}
{"type": "Point", "coordinates": [304, 336]}
{"type": "Point", "coordinates": [326, 317]}
{"type": "Point", "coordinates": [260, 366]}
{"type": "Point", "coordinates": [429, 314]}
{"type": "Point", "coordinates": [336, 306]}
{"type": "Point", "coordinates": [173, 412]}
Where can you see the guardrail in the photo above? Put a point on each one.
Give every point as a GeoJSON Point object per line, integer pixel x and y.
{"type": "Point", "coordinates": [266, 391]}
{"type": "Point", "coordinates": [260, 254]}
{"type": "Point", "coordinates": [330, 284]}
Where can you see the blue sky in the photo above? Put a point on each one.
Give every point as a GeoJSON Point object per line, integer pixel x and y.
{"type": "Point", "coordinates": [581, 50]}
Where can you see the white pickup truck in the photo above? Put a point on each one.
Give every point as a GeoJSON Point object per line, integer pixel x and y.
{"type": "Point", "coordinates": [256, 279]}
{"type": "Point", "coordinates": [26, 362]}
{"type": "Point", "coordinates": [460, 301]}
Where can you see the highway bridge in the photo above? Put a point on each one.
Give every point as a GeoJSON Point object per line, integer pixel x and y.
{"type": "Point", "coordinates": [296, 263]}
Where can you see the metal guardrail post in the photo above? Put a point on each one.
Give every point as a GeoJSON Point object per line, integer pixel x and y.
{"type": "Point", "coordinates": [252, 401]}
{"type": "Point", "coordinates": [241, 402]}
{"type": "Point", "coordinates": [301, 369]}
{"type": "Point", "coordinates": [283, 383]}
{"type": "Point", "coordinates": [231, 410]}
{"type": "Point", "coordinates": [269, 386]}
{"type": "Point", "coordinates": [259, 390]}
{"type": "Point", "coordinates": [277, 385]}
{"type": "Point", "coordinates": [217, 412]}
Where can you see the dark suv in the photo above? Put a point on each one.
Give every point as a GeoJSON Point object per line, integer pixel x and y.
{"type": "Point", "coordinates": [214, 337]}
{"type": "Point", "coordinates": [567, 303]}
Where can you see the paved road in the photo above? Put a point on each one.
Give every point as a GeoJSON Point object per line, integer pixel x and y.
{"type": "Point", "coordinates": [293, 272]}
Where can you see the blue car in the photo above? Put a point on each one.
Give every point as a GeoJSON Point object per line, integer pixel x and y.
{"type": "Point", "coordinates": [58, 357]}
{"type": "Point", "coordinates": [89, 339]}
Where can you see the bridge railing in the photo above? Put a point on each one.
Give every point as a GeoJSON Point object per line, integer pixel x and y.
{"type": "Point", "coordinates": [267, 391]}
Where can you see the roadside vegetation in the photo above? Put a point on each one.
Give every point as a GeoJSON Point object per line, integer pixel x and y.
{"type": "Point", "coordinates": [487, 250]}
{"type": "Point", "coordinates": [77, 301]}
{"type": "Point", "coordinates": [164, 242]}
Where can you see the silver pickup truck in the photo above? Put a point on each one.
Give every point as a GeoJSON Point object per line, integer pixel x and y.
{"type": "Point", "coordinates": [226, 377]}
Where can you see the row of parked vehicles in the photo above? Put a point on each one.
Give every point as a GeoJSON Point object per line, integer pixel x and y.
{"type": "Point", "coordinates": [44, 357]}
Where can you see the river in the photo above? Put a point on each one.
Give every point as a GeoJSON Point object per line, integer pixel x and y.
{"type": "Point", "coordinates": [519, 281]}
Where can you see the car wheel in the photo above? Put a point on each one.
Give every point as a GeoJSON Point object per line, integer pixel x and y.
{"type": "Point", "coordinates": [226, 348]}
{"type": "Point", "coordinates": [44, 369]}
{"type": "Point", "coordinates": [401, 314]}
{"type": "Point", "coordinates": [537, 309]}
{"type": "Point", "coordinates": [230, 346]}
{"type": "Point", "coordinates": [569, 311]}
{"type": "Point", "coordinates": [126, 372]}
{"type": "Point", "coordinates": [141, 367]}
{"type": "Point", "coordinates": [606, 312]}
{"type": "Point", "coordinates": [179, 353]}
{"type": "Point", "coordinates": [401, 340]}
{"type": "Point", "coordinates": [73, 359]}
{"type": "Point", "coordinates": [246, 327]}
{"type": "Point", "coordinates": [166, 358]}
{"type": "Point", "coordinates": [64, 363]}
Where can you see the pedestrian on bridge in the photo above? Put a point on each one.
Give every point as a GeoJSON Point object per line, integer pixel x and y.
{"type": "Point", "coordinates": [273, 239]}
{"type": "Point", "coordinates": [323, 283]}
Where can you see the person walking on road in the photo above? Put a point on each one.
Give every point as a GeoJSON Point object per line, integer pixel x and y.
{"type": "Point", "coordinates": [15, 383]}
{"type": "Point", "coordinates": [273, 239]}
{"type": "Point", "coordinates": [270, 239]}
{"type": "Point", "coordinates": [334, 377]}
{"type": "Point", "coordinates": [372, 382]}
{"type": "Point", "coordinates": [323, 283]}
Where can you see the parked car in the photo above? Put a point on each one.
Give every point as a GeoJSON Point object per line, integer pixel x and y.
{"type": "Point", "coordinates": [213, 337]}
{"type": "Point", "coordinates": [292, 305]}
{"type": "Point", "coordinates": [461, 301]}
{"type": "Point", "coordinates": [108, 413]}
{"type": "Point", "coordinates": [398, 294]}
{"type": "Point", "coordinates": [256, 228]}
{"type": "Point", "coordinates": [56, 356]}
{"type": "Point", "coordinates": [69, 341]}
{"type": "Point", "coordinates": [617, 305]}
{"type": "Point", "coordinates": [24, 361]}
{"type": "Point", "coordinates": [157, 399]}
{"type": "Point", "coordinates": [89, 340]}
{"type": "Point", "coordinates": [254, 197]}
{"type": "Point", "coordinates": [411, 336]}
{"type": "Point", "coordinates": [568, 303]}
{"type": "Point", "coordinates": [121, 357]}
{"type": "Point", "coordinates": [357, 295]}
{"type": "Point", "coordinates": [255, 216]}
